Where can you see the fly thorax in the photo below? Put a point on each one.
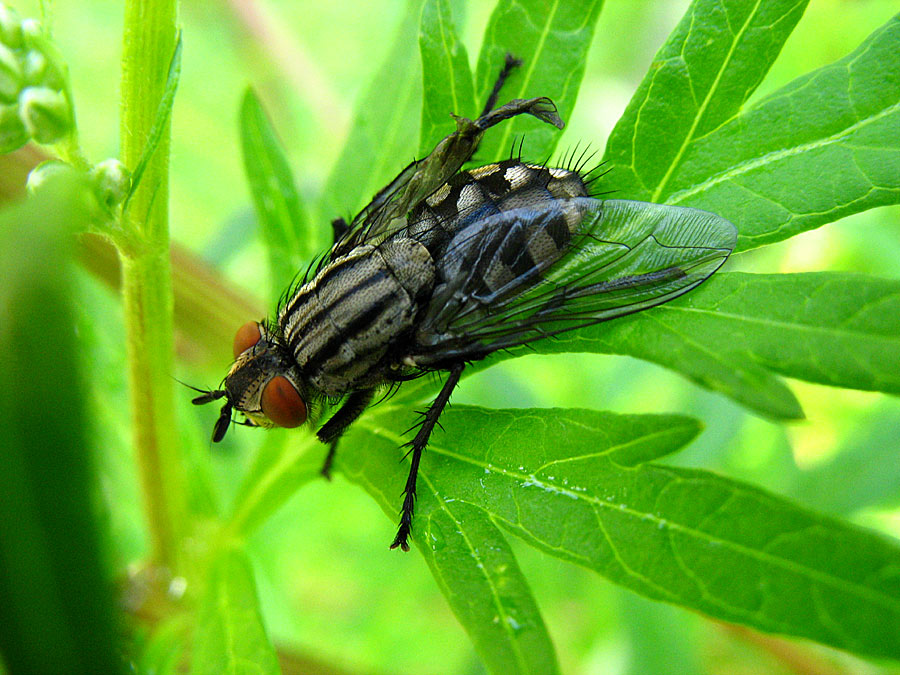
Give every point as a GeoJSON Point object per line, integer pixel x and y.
{"type": "Point", "coordinates": [341, 324]}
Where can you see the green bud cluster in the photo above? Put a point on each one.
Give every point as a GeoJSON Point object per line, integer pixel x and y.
{"type": "Point", "coordinates": [34, 99]}
{"type": "Point", "coordinates": [112, 182]}
{"type": "Point", "coordinates": [109, 181]}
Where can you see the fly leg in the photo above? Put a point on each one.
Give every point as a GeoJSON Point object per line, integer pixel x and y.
{"type": "Point", "coordinates": [333, 429]}
{"type": "Point", "coordinates": [418, 444]}
{"type": "Point", "coordinates": [509, 64]}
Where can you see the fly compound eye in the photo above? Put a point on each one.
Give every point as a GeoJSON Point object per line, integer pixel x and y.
{"type": "Point", "coordinates": [282, 404]}
{"type": "Point", "coordinates": [246, 336]}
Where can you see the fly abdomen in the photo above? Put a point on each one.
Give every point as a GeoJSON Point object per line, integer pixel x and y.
{"type": "Point", "coordinates": [496, 258]}
{"type": "Point", "coordinates": [474, 195]}
{"type": "Point", "coordinates": [529, 246]}
{"type": "Point", "coordinates": [340, 325]}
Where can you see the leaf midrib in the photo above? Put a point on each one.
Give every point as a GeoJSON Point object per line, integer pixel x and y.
{"type": "Point", "coordinates": [841, 332]}
{"type": "Point", "coordinates": [473, 551]}
{"type": "Point", "coordinates": [809, 573]}
{"type": "Point", "coordinates": [701, 111]}
{"type": "Point", "coordinates": [746, 166]}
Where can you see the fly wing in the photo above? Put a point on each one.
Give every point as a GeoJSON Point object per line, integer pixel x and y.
{"type": "Point", "coordinates": [533, 272]}
{"type": "Point", "coordinates": [386, 213]}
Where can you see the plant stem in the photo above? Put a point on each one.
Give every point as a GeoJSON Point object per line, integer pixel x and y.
{"type": "Point", "coordinates": [149, 38]}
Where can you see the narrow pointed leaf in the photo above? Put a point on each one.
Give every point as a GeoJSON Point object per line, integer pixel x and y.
{"type": "Point", "coordinates": [552, 39]}
{"type": "Point", "coordinates": [446, 76]}
{"type": "Point", "coordinates": [468, 555]}
{"type": "Point", "coordinates": [56, 598]}
{"type": "Point", "coordinates": [161, 122]}
{"type": "Point", "coordinates": [290, 242]}
{"type": "Point", "coordinates": [735, 331]}
{"type": "Point", "coordinates": [385, 129]}
{"type": "Point", "coordinates": [230, 637]}
{"type": "Point", "coordinates": [711, 63]}
{"type": "Point", "coordinates": [684, 536]}
{"type": "Point", "coordinates": [823, 147]}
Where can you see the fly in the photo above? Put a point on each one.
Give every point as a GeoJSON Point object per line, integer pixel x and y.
{"type": "Point", "coordinates": [444, 267]}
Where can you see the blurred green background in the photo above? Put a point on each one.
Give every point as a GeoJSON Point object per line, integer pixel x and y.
{"type": "Point", "coordinates": [330, 588]}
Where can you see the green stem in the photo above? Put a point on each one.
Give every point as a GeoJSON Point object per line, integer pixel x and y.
{"type": "Point", "coordinates": [149, 38]}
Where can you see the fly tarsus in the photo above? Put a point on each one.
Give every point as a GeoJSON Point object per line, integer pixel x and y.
{"type": "Point", "coordinates": [418, 444]}
{"type": "Point", "coordinates": [510, 63]}
{"type": "Point", "coordinates": [329, 459]}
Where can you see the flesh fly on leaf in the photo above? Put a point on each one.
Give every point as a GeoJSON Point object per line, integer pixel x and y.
{"type": "Point", "coordinates": [444, 267]}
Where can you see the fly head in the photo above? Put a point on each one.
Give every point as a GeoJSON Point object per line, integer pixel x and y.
{"type": "Point", "coordinates": [262, 384]}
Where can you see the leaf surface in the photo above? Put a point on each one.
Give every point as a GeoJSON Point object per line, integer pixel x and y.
{"type": "Point", "coordinates": [821, 148]}
{"type": "Point", "coordinates": [552, 39]}
{"type": "Point", "coordinates": [709, 66]}
{"type": "Point", "coordinates": [230, 636]}
{"type": "Point", "coordinates": [447, 79]}
{"type": "Point", "coordinates": [289, 239]}
{"type": "Point", "coordinates": [683, 536]}
{"type": "Point", "coordinates": [737, 330]}
{"type": "Point", "coordinates": [834, 134]}
{"type": "Point", "coordinates": [468, 555]}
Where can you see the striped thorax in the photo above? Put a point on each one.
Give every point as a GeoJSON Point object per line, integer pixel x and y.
{"type": "Point", "coordinates": [341, 326]}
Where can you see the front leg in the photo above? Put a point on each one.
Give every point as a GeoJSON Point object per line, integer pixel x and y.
{"type": "Point", "coordinates": [418, 444]}
{"type": "Point", "coordinates": [331, 431]}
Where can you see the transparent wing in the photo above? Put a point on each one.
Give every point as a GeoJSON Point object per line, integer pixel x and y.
{"type": "Point", "coordinates": [386, 213]}
{"type": "Point", "coordinates": [500, 284]}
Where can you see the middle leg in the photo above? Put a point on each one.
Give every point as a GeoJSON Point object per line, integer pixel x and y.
{"type": "Point", "coordinates": [418, 444]}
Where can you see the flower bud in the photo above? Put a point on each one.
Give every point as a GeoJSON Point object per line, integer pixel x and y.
{"type": "Point", "coordinates": [44, 172]}
{"type": "Point", "coordinates": [34, 68]}
{"type": "Point", "coordinates": [11, 75]}
{"type": "Point", "coordinates": [31, 30]}
{"type": "Point", "coordinates": [46, 114]}
{"type": "Point", "coordinates": [13, 134]}
{"type": "Point", "coordinates": [10, 27]}
{"type": "Point", "coordinates": [112, 181]}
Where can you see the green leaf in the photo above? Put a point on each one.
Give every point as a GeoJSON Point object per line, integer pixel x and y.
{"type": "Point", "coordinates": [825, 146]}
{"type": "Point", "coordinates": [160, 122]}
{"type": "Point", "coordinates": [710, 65]}
{"type": "Point", "coordinates": [469, 557]}
{"type": "Point", "coordinates": [736, 330]}
{"type": "Point", "coordinates": [385, 130]}
{"type": "Point", "coordinates": [161, 649]}
{"type": "Point", "coordinates": [552, 40]}
{"type": "Point", "coordinates": [230, 636]}
{"type": "Point", "coordinates": [290, 242]}
{"type": "Point", "coordinates": [56, 599]}
{"type": "Point", "coordinates": [447, 79]}
{"type": "Point", "coordinates": [566, 481]}
{"type": "Point", "coordinates": [285, 463]}
{"type": "Point", "coordinates": [478, 573]}
{"type": "Point", "coordinates": [460, 541]}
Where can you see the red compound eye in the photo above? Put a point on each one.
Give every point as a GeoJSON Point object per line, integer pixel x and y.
{"type": "Point", "coordinates": [246, 336]}
{"type": "Point", "coordinates": [282, 404]}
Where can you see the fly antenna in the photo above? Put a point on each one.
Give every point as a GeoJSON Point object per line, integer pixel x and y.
{"type": "Point", "coordinates": [208, 395]}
